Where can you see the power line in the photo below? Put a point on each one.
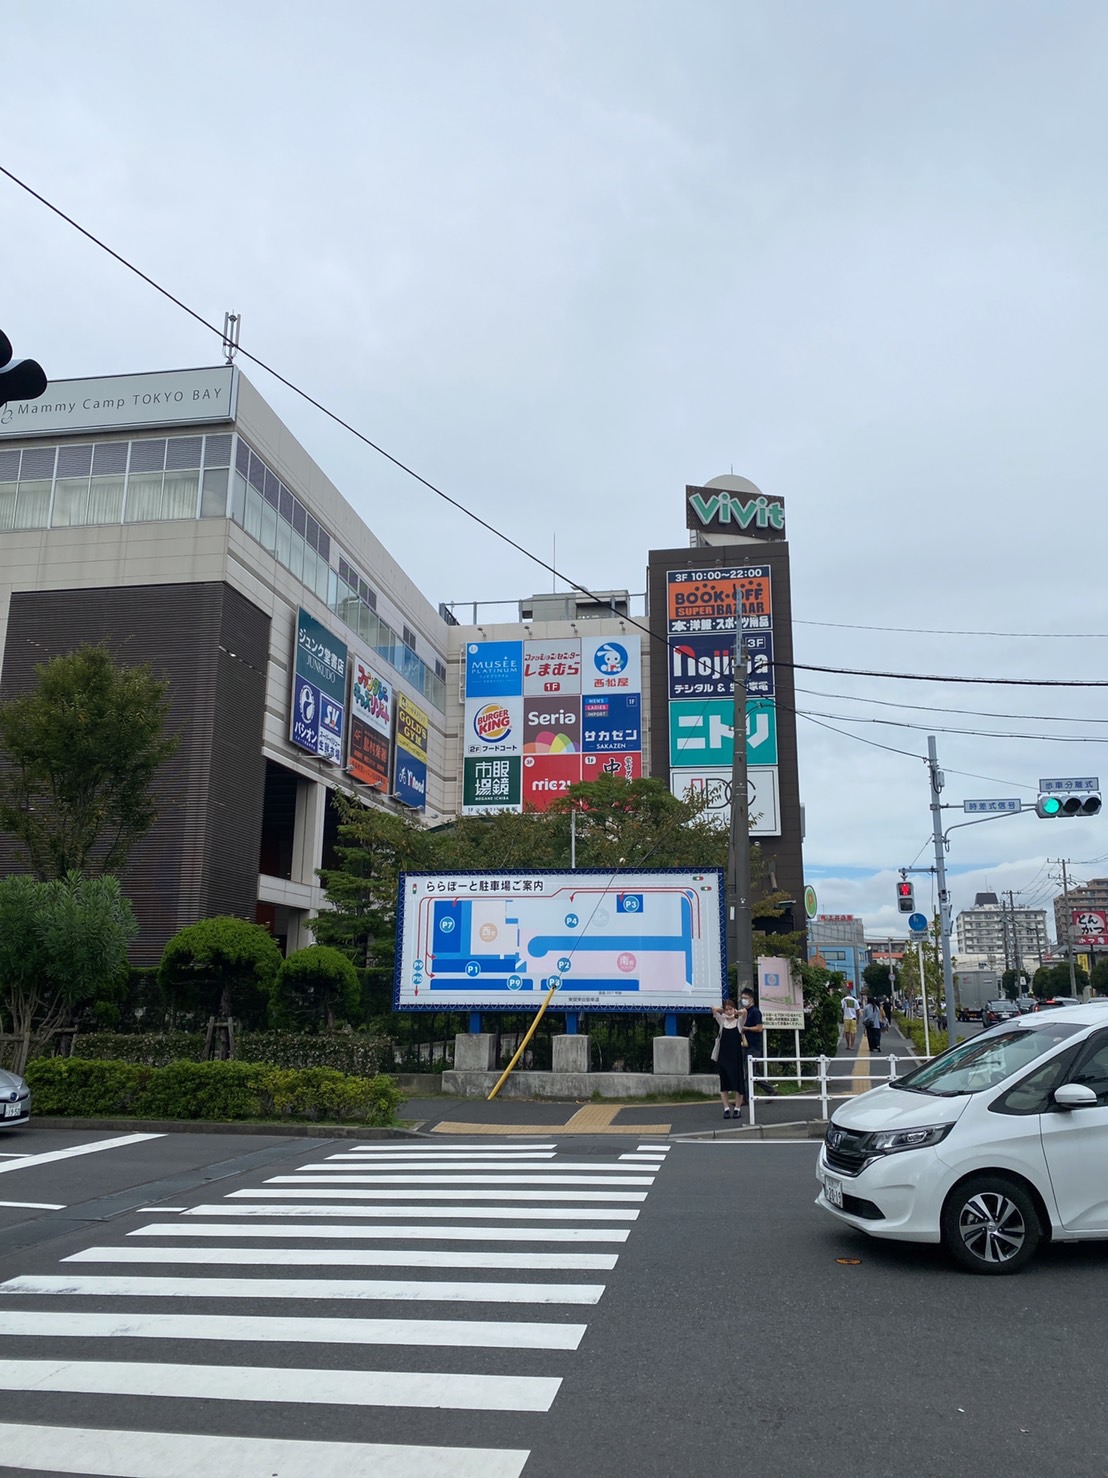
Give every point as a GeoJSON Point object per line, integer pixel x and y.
{"type": "Point", "coordinates": [936, 708]}
{"type": "Point", "coordinates": [893, 723]}
{"type": "Point", "coordinates": [943, 631]}
{"type": "Point", "coordinates": [930, 677]}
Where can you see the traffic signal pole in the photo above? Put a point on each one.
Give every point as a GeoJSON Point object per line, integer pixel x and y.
{"type": "Point", "coordinates": [936, 777]}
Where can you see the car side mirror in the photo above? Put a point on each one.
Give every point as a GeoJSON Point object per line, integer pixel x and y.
{"type": "Point", "coordinates": [1074, 1096]}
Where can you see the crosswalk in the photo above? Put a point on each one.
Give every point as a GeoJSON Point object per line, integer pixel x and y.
{"type": "Point", "coordinates": [298, 1288]}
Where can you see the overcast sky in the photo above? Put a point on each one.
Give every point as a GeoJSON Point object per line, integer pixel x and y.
{"type": "Point", "coordinates": [566, 257]}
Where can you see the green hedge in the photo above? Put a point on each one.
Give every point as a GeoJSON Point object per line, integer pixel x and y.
{"type": "Point", "coordinates": [913, 1030]}
{"type": "Point", "coordinates": [81, 1087]}
{"type": "Point", "coordinates": [346, 1052]}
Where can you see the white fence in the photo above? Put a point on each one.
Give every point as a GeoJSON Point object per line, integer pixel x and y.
{"type": "Point", "coordinates": [858, 1074]}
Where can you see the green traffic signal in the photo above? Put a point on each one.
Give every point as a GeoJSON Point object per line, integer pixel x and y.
{"type": "Point", "coordinates": [1048, 805]}
{"type": "Point", "coordinates": [1071, 804]}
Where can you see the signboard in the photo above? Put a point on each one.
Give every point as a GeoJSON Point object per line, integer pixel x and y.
{"type": "Point", "coordinates": [762, 792]}
{"type": "Point", "coordinates": [318, 690]}
{"type": "Point", "coordinates": [780, 995]}
{"type": "Point", "coordinates": [412, 728]}
{"type": "Point", "coordinates": [552, 667]}
{"type": "Point", "coordinates": [704, 666]}
{"type": "Point", "coordinates": [977, 808]}
{"type": "Point", "coordinates": [702, 733]}
{"type": "Point", "coordinates": [494, 669]}
{"type": "Point", "coordinates": [917, 923]}
{"type": "Point", "coordinates": [125, 403]}
{"type": "Point", "coordinates": [491, 785]}
{"type": "Point", "coordinates": [811, 903]}
{"type": "Point", "coordinates": [1090, 784]}
{"type": "Point", "coordinates": [570, 706]}
{"type": "Point", "coordinates": [735, 511]}
{"type": "Point", "coordinates": [371, 704]}
{"type": "Point", "coordinates": [704, 600]}
{"type": "Point", "coordinates": [647, 940]}
{"type": "Point", "coordinates": [1090, 927]}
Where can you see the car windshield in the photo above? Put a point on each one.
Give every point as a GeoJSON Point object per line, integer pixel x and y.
{"type": "Point", "coordinates": [985, 1061]}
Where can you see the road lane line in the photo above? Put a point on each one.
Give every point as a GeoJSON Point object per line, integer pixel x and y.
{"type": "Point", "coordinates": [438, 1155]}
{"type": "Point", "coordinates": [139, 1454]}
{"type": "Point", "coordinates": [390, 1233]}
{"type": "Point", "coordinates": [34, 1205]}
{"type": "Point", "coordinates": [366, 1167]}
{"type": "Point", "coordinates": [334, 1257]}
{"type": "Point", "coordinates": [488, 1213]}
{"type": "Point", "coordinates": [415, 1178]}
{"type": "Point", "coordinates": [381, 1290]}
{"type": "Point", "coordinates": [443, 1194]}
{"type": "Point", "coordinates": [485, 1334]}
{"type": "Point", "coordinates": [289, 1386]}
{"type": "Point", "coordinates": [509, 1148]}
{"type": "Point", "coordinates": [47, 1156]}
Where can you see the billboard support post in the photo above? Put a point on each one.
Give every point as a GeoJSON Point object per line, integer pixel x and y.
{"type": "Point", "coordinates": [740, 917]}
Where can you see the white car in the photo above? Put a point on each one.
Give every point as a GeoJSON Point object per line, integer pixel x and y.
{"type": "Point", "coordinates": [989, 1148]}
{"type": "Point", "coordinates": [15, 1100]}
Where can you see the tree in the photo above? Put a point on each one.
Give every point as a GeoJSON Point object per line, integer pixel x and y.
{"type": "Point", "coordinates": [1054, 980]}
{"type": "Point", "coordinates": [221, 967]}
{"type": "Point", "coordinates": [315, 985]}
{"type": "Point", "coordinates": [62, 943]}
{"type": "Point", "coordinates": [878, 980]}
{"type": "Point", "coordinates": [82, 751]}
{"type": "Point", "coordinates": [1099, 978]}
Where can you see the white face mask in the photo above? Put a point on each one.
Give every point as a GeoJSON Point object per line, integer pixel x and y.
{"type": "Point", "coordinates": [747, 1003]}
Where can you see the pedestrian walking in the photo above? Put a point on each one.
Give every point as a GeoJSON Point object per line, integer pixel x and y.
{"type": "Point", "coordinates": [871, 1020]}
{"type": "Point", "coordinates": [850, 1020]}
{"type": "Point", "coordinates": [729, 1055]}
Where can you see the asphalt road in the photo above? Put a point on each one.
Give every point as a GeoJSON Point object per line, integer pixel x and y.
{"type": "Point", "coordinates": [612, 1307]}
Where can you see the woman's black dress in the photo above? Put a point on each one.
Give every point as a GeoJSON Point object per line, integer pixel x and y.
{"type": "Point", "coordinates": [730, 1062]}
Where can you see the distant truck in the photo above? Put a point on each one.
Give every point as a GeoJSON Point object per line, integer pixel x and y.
{"type": "Point", "coordinates": [973, 990]}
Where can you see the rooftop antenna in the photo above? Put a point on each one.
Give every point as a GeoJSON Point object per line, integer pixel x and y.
{"type": "Point", "coordinates": [232, 323]}
{"type": "Point", "coordinates": [553, 563]}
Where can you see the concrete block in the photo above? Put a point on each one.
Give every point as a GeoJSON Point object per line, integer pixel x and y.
{"type": "Point", "coordinates": [475, 1052]}
{"type": "Point", "coordinates": [672, 1055]}
{"type": "Point", "coordinates": [570, 1055]}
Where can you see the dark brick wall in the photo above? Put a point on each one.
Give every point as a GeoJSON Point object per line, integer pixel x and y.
{"type": "Point", "coordinates": [201, 857]}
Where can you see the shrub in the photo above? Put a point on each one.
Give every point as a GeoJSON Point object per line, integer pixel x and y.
{"type": "Point", "coordinates": [355, 1053]}
{"type": "Point", "coordinates": [913, 1030]}
{"type": "Point", "coordinates": [84, 1088]}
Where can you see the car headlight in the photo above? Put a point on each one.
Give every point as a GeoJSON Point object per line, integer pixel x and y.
{"type": "Point", "coordinates": [892, 1141]}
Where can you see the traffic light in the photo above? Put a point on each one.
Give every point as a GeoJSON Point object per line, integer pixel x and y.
{"type": "Point", "coordinates": [20, 379]}
{"type": "Point", "coordinates": [1068, 803]}
{"type": "Point", "coordinates": [905, 897]}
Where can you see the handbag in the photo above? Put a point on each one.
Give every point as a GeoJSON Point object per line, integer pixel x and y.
{"type": "Point", "coordinates": [715, 1045]}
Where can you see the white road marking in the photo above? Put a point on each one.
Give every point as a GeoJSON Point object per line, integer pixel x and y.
{"type": "Point", "coordinates": [157, 1210]}
{"type": "Point", "coordinates": [379, 1289]}
{"type": "Point", "coordinates": [480, 1147]}
{"type": "Point", "coordinates": [439, 1194]}
{"type": "Point", "coordinates": [267, 1383]}
{"type": "Point", "coordinates": [47, 1156]}
{"type": "Point", "coordinates": [34, 1205]}
{"type": "Point", "coordinates": [414, 1178]}
{"type": "Point", "coordinates": [334, 1167]}
{"type": "Point", "coordinates": [637, 1159]}
{"type": "Point", "coordinates": [334, 1257]}
{"type": "Point", "coordinates": [663, 1147]}
{"type": "Point", "coordinates": [489, 1213]}
{"type": "Point", "coordinates": [391, 1233]}
{"type": "Point", "coordinates": [128, 1454]}
{"type": "Point", "coordinates": [486, 1334]}
{"type": "Point", "coordinates": [444, 1157]}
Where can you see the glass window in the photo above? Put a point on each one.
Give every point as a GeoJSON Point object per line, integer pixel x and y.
{"type": "Point", "coordinates": [284, 542]}
{"type": "Point", "coordinates": [213, 501]}
{"type": "Point", "coordinates": [299, 517]}
{"type": "Point", "coordinates": [180, 494]}
{"type": "Point", "coordinates": [182, 452]}
{"type": "Point", "coordinates": [1032, 1094]}
{"type": "Point", "coordinates": [325, 544]}
{"type": "Point", "coordinates": [984, 1062]}
{"type": "Point", "coordinates": [144, 496]}
{"type": "Point", "coordinates": [238, 497]}
{"type": "Point", "coordinates": [7, 506]}
{"type": "Point", "coordinates": [296, 556]}
{"type": "Point", "coordinates": [109, 456]}
{"type": "Point", "coordinates": [268, 535]}
{"type": "Point", "coordinates": [217, 451]}
{"type": "Point", "coordinates": [38, 463]}
{"type": "Point", "coordinates": [74, 461]}
{"type": "Point", "coordinates": [242, 457]}
{"type": "Point", "coordinates": [9, 465]}
{"type": "Point", "coordinates": [284, 506]}
{"type": "Point", "coordinates": [70, 502]}
{"type": "Point", "coordinates": [32, 506]}
{"type": "Point", "coordinates": [1093, 1069]}
{"type": "Point", "coordinates": [256, 476]}
{"type": "Point", "coordinates": [147, 456]}
{"type": "Point", "coordinates": [271, 492]}
{"type": "Point", "coordinates": [252, 522]}
{"type": "Point", "coordinates": [105, 500]}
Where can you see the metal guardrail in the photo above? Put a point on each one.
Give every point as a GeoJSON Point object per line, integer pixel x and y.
{"type": "Point", "coordinates": [757, 1071]}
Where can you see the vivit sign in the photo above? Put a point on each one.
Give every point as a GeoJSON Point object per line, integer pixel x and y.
{"type": "Point", "coordinates": [735, 511]}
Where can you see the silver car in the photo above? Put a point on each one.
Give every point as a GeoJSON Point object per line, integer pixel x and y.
{"type": "Point", "coordinates": [15, 1100]}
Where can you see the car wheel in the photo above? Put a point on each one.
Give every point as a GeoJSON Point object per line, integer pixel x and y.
{"type": "Point", "coordinates": [990, 1225]}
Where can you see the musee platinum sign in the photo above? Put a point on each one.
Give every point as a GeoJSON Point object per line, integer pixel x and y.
{"type": "Point", "coordinates": [125, 403]}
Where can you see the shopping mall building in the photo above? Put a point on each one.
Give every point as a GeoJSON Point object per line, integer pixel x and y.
{"type": "Point", "coordinates": [174, 517]}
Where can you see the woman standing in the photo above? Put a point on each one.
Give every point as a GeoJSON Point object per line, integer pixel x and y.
{"type": "Point", "coordinates": [730, 1060]}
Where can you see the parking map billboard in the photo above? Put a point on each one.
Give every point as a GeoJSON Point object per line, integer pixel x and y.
{"type": "Point", "coordinates": [651, 940]}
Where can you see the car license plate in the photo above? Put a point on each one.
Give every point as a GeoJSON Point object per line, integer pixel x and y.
{"type": "Point", "coordinates": [12, 1110]}
{"type": "Point", "coordinates": [833, 1191]}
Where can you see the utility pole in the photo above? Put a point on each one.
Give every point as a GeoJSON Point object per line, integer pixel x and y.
{"type": "Point", "coordinates": [740, 916]}
{"type": "Point", "coordinates": [1016, 952]}
{"type": "Point", "coordinates": [937, 782]}
{"type": "Point", "coordinates": [1069, 925]}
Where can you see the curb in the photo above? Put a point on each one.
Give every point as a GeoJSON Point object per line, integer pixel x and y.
{"type": "Point", "coordinates": [799, 1131]}
{"type": "Point", "coordinates": [202, 1126]}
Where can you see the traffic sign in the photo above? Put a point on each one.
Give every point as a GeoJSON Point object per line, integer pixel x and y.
{"type": "Point", "coordinates": [1086, 784]}
{"type": "Point", "coordinates": [976, 808]}
{"type": "Point", "coordinates": [917, 923]}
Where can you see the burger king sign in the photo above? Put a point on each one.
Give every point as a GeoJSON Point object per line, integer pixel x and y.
{"type": "Point", "coordinates": [493, 726]}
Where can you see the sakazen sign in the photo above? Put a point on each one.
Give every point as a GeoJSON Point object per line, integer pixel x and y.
{"type": "Point", "coordinates": [735, 511]}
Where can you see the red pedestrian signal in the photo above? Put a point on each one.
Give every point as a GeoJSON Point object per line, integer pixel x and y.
{"type": "Point", "coordinates": [905, 897]}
